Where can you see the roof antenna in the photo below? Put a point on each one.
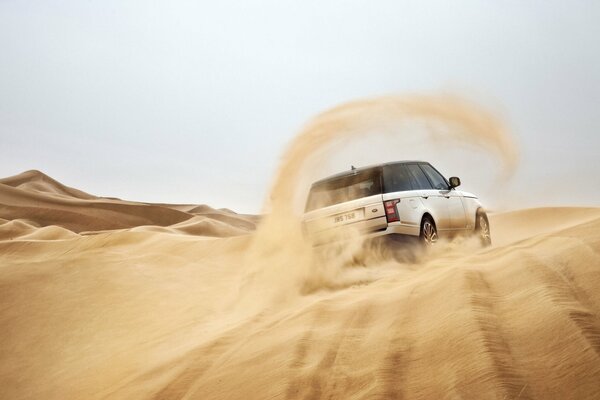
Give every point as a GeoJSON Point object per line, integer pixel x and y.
{"type": "Point", "coordinates": [352, 168]}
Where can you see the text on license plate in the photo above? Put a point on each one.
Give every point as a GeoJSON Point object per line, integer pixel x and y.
{"type": "Point", "coordinates": [345, 217]}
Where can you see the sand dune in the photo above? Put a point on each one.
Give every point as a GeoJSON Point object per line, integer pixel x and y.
{"type": "Point", "coordinates": [43, 201]}
{"type": "Point", "coordinates": [37, 181]}
{"type": "Point", "coordinates": [203, 226]}
{"type": "Point", "coordinates": [156, 312]}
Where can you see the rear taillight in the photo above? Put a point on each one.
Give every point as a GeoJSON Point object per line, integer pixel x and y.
{"type": "Point", "coordinates": [391, 211]}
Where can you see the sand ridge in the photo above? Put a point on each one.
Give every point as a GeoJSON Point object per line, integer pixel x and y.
{"type": "Point", "coordinates": [43, 201]}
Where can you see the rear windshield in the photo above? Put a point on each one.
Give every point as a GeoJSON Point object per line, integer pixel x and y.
{"type": "Point", "coordinates": [346, 188]}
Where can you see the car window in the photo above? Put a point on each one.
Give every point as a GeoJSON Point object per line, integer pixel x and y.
{"type": "Point", "coordinates": [340, 190]}
{"type": "Point", "coordinates": [436, 179]}
{"type": "Point", "coordinates": [418, 178]}
{"type": "Point", "coordinates": [396, 178]}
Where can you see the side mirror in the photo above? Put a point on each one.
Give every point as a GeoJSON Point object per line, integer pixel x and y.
{"type": "Point", "coordinates": [454, 182]}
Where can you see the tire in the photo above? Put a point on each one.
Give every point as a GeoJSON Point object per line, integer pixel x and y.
{"type": "Point", "coordinates": [482, 229]}
{"type": "Point", "coordinates": [428, 235]}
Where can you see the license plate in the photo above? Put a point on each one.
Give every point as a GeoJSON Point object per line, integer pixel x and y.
{"type": "Point", "coordinates": [347, 217]}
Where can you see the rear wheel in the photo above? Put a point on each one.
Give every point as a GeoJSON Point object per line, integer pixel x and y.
{"type": "Point", "coordinates": [482, 229]}
{"type": "Point", "coordinates": [428, 235]}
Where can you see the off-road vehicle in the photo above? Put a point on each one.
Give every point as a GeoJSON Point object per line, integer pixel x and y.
{"type": "Point", "coordinates": [408, 198]}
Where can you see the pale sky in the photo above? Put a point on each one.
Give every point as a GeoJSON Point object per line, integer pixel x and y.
{"type": "Point", "coordinates": [194, 102]}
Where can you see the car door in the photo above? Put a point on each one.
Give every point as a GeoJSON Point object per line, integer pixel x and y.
{"type": "Point", "coordinates": [456, 208]}
{"type": "Point", "coordinates": [432, 198]}
{"type": "Point", "coordinates": [455, 211]}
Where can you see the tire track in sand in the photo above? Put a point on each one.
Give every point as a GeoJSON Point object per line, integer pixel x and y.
{"type": "Point", "coordinates": [394, 366]}
{"type": "Point", "coordinates": [203, 358]}
{"type": "Point", "coordinates": [330, 378]}
{"type": "Point", "coordinates": [509, 381]}
{"type": "Point", "coordinates": [568, 295]}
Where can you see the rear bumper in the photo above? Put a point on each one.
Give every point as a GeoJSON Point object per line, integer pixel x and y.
{"type": "Point", "coordinates": [395, 229]}
{"type": "Point", "coordinates": [392, 230]}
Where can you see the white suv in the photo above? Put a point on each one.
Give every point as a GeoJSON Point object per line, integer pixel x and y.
{"type": "Point", "coordinates": [399, 198]}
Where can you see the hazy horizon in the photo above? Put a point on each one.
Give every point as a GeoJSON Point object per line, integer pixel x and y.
{"type": "Point", "coordinates": [194, 103]}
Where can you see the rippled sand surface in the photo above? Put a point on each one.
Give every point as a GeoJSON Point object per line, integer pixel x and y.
{"type": "Point", "coordinates": [107, 299]}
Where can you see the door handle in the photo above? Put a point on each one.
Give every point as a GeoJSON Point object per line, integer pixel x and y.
{"type": "Point", "coordinates": [425, 197]}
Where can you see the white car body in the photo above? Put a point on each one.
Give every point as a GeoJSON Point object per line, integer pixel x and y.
{"type": "Point", "coordinates": [342, 206]}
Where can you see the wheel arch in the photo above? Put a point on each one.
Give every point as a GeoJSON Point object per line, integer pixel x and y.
{"type": "Point", "coordinates": [427, 214]}
{"type": "Point", "coordinates": [480, 210]}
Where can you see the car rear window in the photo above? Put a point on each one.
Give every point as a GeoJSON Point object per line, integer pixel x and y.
{"type": "Point", "coordinates": [396, 178]}
{"type": "Point", "coordinates": [345, 188]}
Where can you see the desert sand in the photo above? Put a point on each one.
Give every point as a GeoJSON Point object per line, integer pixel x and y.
{"type": "Point", "coordinates": [137, 301]}
{"type": "Point", "coordinates": [102, 298]}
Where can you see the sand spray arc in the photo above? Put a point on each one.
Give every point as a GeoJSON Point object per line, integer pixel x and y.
{"type": "Point", "coordinates": [278, 249]}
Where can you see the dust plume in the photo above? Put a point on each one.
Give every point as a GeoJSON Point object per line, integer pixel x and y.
{"type": "Point", "coordinates": [448, 119]}
{"type": "Point", "coordinates": [280, 254]}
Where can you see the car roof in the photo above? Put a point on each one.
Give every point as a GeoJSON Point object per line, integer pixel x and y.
{"type": "Point", "coordinates": [355, 171]}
